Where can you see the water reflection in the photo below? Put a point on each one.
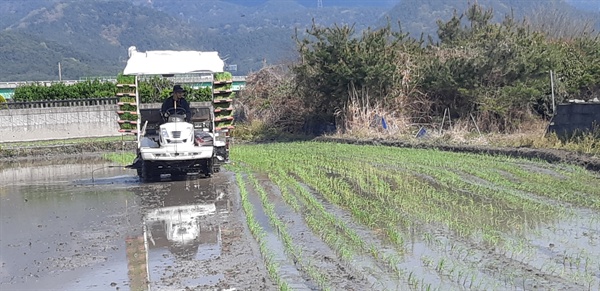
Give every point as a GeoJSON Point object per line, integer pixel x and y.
{"type": "Point", "coordinates": [58, 235]}
{"type": "Point", "coordinates": [54, 172]}
{"type": "Point", "coordinates": [182, 226]}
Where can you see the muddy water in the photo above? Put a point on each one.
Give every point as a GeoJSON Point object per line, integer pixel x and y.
{"type": "Point", "coordinates": [58, 234]}
{"type": "Point", "coordinates": [85, 225]}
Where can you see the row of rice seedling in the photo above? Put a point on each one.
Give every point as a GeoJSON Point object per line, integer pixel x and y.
{"type": "Point", "coordinates": [460, 267]}
{"type": "Point", "coordinates": [320, 182]}
{"type": "Point", "coordinates": [259, 234]}
{"type": "Point", "coordinates": [415, 194]}
{"type": "Point", "coordinates": [282, 231]}
{"type": "Point", "coordinates": [542, 214]}
{"type": "Point", "coordinates": [567, 189]}
{"type": "Point", "coordinates": [399, 191]}
{"type": "Point", "coordinates": [332, 230]}
{"type": "Point", "coordinates": [522, 220]}
{"type": "Point", "coordinates": [534, 255]}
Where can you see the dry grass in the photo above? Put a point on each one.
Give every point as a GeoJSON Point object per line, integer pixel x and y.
{"type": "Point", "coordinates": [462, 132]}
{"type": "Point", "coordinates": [363, 118]}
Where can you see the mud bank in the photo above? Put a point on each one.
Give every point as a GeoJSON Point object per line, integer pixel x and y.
{"type": "Point", "coordinates": [550, 155]}
{"type": "Point", "coordinates": [14, 153]}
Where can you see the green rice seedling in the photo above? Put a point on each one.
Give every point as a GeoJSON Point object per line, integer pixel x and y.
{"type": "Point", "coordinates": [335, 236]}
{"type": "Point", "coordinates": [325, 223]}
{"type": "Point", "coordinates": [485, 200]}
{"type": "Point", "coordinates": [120, 158]}
{"type": "Point", "coordinates": [289, 245]}
{"type": "Point", "coordinates": [259, 233]}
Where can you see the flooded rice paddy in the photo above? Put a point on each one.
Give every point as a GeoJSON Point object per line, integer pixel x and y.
{"type": "Point", "coordinates": [82, 224]}
{"type": "Point", "coordinates": [304, 216]}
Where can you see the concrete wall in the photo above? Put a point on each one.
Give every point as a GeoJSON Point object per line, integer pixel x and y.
{"type": "Point", "coordinates": [63, 122]}
{"type": "Point", "coordinates": [573, 118]}
{"type": "Point", "coordinates": [58, 123]}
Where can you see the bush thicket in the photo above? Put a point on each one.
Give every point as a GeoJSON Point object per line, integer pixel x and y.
{"type": "Point", "coordinates": [497, 72]}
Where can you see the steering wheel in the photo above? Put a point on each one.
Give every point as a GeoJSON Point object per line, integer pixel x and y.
{"type": "Point", "coordinates": [172, 111]}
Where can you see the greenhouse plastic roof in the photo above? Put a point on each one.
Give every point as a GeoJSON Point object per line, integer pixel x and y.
{"type": "Point", "coordinates": [172, 62]}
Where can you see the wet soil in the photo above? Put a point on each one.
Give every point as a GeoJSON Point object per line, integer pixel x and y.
{"type": "Point", "coordinates": [71, 221]}
{"type": "Point", "coordinates": [11, 153]}
{"type": "Point", "coordinates": [61, 229]}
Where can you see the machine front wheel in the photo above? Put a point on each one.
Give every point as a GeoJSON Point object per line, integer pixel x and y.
{"type": "Point", "coordinates": [148, 174]}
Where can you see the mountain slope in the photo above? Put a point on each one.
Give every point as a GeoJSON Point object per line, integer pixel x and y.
{"type": "Point", "coordinates": [13, 10]}
{"type": "Point", "coordinates": [105, 29]}
{"type": "Point", "coordinates": [420, 16]}
{"type": "Point", "coordinates": [91, 37]}
{"type": "Point", "coordinates": [26, 57]}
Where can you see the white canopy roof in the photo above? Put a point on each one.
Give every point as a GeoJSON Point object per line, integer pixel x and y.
{"type": "Point", "coordinates": [172, 62]}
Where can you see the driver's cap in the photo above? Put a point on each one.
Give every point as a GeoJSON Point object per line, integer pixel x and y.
{"type": "Point", "coordinates": [178, 88]}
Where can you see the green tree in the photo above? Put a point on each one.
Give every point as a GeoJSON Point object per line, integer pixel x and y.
{"type": "Point", "coordinates": [501, 70]}
{"type": "Point", "coordinates": [333, 61]}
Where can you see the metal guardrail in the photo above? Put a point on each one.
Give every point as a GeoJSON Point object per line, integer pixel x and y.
{"type": "Point", "coordinates": [178, 78]}
{"type": "Point", "coordinates": [13, 85]}
{"type": "Point", "coordinates": [59, 103]}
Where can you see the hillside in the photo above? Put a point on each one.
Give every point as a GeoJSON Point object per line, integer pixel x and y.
{"type": "Point", "coordinates": [419, 16]}
{"type": "Point", "coordinates": [100, 30]}
{"type": "Point", "coordinates": [93, 35]}
{"type": "Point", "coordinates": [232, 19]}
{"type": "Point", "coordinates": [107, 28]}
{"type": "Point", "coordinates": [12, 11]}
{"type": "Point", "coordinates": [247, 37]}
{"type": "Point", "coordinates": [27, 57]}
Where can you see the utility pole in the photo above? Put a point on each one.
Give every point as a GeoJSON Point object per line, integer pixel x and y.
{"type": "Point", "coordinates": [552, 88]}
{"type": "Point", "coordinates": [59, 72]}
{"type": "Point", "coordinates": [319, 3]}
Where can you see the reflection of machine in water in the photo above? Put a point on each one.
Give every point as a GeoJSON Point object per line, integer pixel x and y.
{"type": "Point", "coordinates": [183, 215]}
{"type": "Point", "coordinates": [182, 218]}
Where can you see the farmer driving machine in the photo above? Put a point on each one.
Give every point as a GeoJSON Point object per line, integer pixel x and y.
{"type": "Point", "coordinates": [171, 142]}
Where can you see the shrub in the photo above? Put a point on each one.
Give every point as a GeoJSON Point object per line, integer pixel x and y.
{"type": "Point", "coordinates": [3, 102]}
{"type": "Point", "coordinates": [60, 91]}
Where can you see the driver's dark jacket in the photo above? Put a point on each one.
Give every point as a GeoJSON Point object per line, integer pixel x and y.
{"type": "Point", "coordinates": [181, 103]}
